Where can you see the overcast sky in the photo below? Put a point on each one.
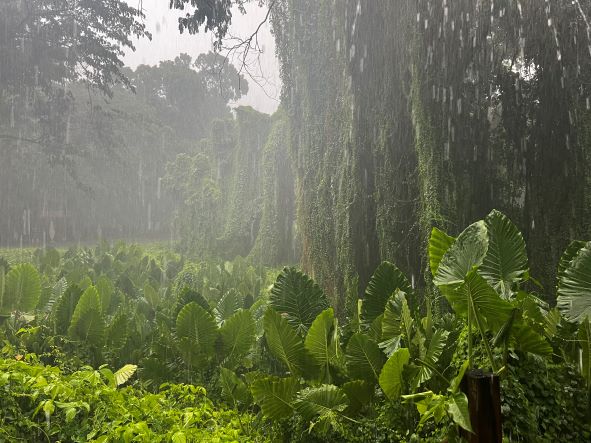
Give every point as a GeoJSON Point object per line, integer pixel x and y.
{"type": "Point", "coordinates": [167, 43]}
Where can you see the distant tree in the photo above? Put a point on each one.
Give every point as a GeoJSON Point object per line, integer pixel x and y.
{"type": "Point", "coordinates": [188, 94]}
{"type": "Point", "coordinates": [45, 45]}
{"type": "Point", "coordinates": [216, 17]}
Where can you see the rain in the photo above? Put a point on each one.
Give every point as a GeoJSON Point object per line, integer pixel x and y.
{"type": "Point", "coordinates": [295, 220]}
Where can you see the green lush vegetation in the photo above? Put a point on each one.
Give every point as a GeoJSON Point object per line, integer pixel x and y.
{"type": "Point", "coordinates": [274, 358]}
{"type": "Point", "coordinates": [400, 123]}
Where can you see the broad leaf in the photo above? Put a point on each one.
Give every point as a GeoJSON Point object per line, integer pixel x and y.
{"type": "Point", "coordinates": [87, 322]}
{"type": "Point", "coordinates": [22, 289]}
{"type": "Point", "coordinates": [584, 339]}
{"type": "Point", "coordinates": [568, 255]}
{"type": "Point", "coordinates": [322, 341]}
{"type": "Point", "coordinates": [105, 289]}
{"type": "Point", "coordinates": [457, 407]}
{"type": "Point", "coordinates": [364, 358]}
{"type": "Point", "coordinates": [439, 243]}
{"type": "Point", "coordinates": [486, 301]}
{"type": "Point", "coordinates": [391, 377]}
{"type": "Point", "coordinates": [197, 326]}
{"type": "Point", "coordinates": [386, 279]}
{"type": "Point", "coordinates": [284, 343]}
{"type": "Point", "coordinates": [233, 388]}
{"type": "Point", "coordinates": [238, 334]}
{"type": "Point", "coordinates": [505, 262]}
{"type": "Point", "coordinates": [467, 252]}
{"type": "Point", "coordinates": [392, 324]}
{"type": "Point", "coordinates": [152, 296]}
{"type": "Point", "coordinates": [124, 374]}
{"type": "Point", "coordinates": [359, 392]}
{"type": "Point", "coordinates": [432, 354]}
{"type": "Point", "coordinates": [299, 298]}
{"type": "Point", "coordinates": [275, 396]}
{"type": "Point", "coordinates": [526, 339]}
{"type": "Point", "coordinates": [323, 404]}
{"type": "Point", "coordinates": [574, 287]}
{"type": "Point", "coordinates": [227, 305]}
{"type": "Point", "coordinates": [64, 308]}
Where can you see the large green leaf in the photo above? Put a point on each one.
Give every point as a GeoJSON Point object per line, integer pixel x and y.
{"type": "Point", "coordinates": [505, 262]}
{"type": "Point", "coordinates": [526, 339]}
{"type": "Point", "coordinates": [439, 243]}
{"type": "Point", "coordinates": [359, 393]}
{"type": "Point", "coordinates": [322, 405]}
{"type": "Point", "coordinates": [322, 341]}
{"type": "Point", "coordinates": [284, 343]}
{"type": "Point", "coordinates": [386, 279]}
{"type": "Point", "coordinates": [124, 374]}
{"type": "Point", "coordinates": [87, 322]}
{"type": "Point", "coordinates": [105, 288]}
{"type": "Point", "coordinates": [568, 255]}
{"type": "Point", "coordinates": [22, 289]}
{"type": "Point", "coordinates": [198, 327]}
{"type": "Point", "coordinates": [574, 287]}
{"type": "Point", "coordinates": [584, 339]}
{"type": "Point", "coordinates": [228, 304]}
{"type": "Point", "coordinates": [364, 358]}
{"type": "Point", "coordinates": [275, 396]}
{"type": "Point", "coordinates": [238, 334]}
{"type": "Point", "coordinates": [457, 407]}
{"type": "Point", "coordinates": [431, 355]}
{"type": "Point", "coordinates": [298, 297]}
{"type": "Point", "coordinates": [467, 252]}
{"type": "Point", "coordinates": [152, 296]}
{"type": "Point", "coordinates": [391, 376]}
{"type": "Point", "coordinates": [233, 388]}
{"type": "Point", "coordinates": [393, 326]}
{"type": "Point", "coordinates": [64, 309]}
{"type": "Point", "coordinates": [487, 303]}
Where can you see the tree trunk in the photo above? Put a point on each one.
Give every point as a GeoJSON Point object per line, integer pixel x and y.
{"type": "Point", "coordinates": [484, 401]}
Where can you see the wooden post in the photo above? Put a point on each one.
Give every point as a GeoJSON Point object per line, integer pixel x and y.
{"type": "Point", "coordinates": [484, 401]}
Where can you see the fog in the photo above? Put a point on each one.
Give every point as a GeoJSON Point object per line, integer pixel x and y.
{"type": "Point", "coordinates": [295, 221]}
{"type": "Point", "coordinates": [167, 43]}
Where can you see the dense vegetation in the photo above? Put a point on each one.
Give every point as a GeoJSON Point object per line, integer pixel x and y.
{"type": "Point", "coordinates": [269, 345]}
{"type": "Point", "coordinates": [400, 122]}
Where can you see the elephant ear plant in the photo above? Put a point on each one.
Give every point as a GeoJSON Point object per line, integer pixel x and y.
{"type": "Point", "coordinates": [481, 274]}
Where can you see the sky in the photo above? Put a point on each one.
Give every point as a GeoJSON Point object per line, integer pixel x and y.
{"type": "Point", "coordinates": [167, 43]}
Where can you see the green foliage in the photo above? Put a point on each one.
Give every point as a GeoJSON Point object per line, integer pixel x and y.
{"type": "Point", "coordinates": [439, 243]}
{"type": "Point", "coordinates": [298, 297]}
{"type": "Point", "coordinates": [574, 289]}
{"type": "Point", "coordinates": [289, 366]}
{"type": "Point", "coordinates": [284, 343]}
{"type": "Point", "coordinates": [20, 289]}
{"type": "Point", "coordinates": [87, 323]}
{"type": "Point", "coordinates": [466, 252]}
{"type": "Point", "coordinates": [275, 396]}
{"type": "Point", "coordinates": [42, 403]}
{"type": "Point", "coordinates": [391, 376]}
{"type": "Point", "coordinates": [197, 332]}
{"type": "Point", "coordinates": [237, 336]}
{"type": "Point", "coordinates": [364, 358]}
{"type": "Point", "coordinates": [385, 281]}
{"type": "Point", "coordinates": [505, 262]}
{"type": "Point", "coordinates": [322, 342]}
{"type": "Point", "coordinates": [322, 406]}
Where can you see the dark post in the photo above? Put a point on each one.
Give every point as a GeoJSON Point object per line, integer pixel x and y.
{"type": "Point", "coordinates": [484, 401]}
